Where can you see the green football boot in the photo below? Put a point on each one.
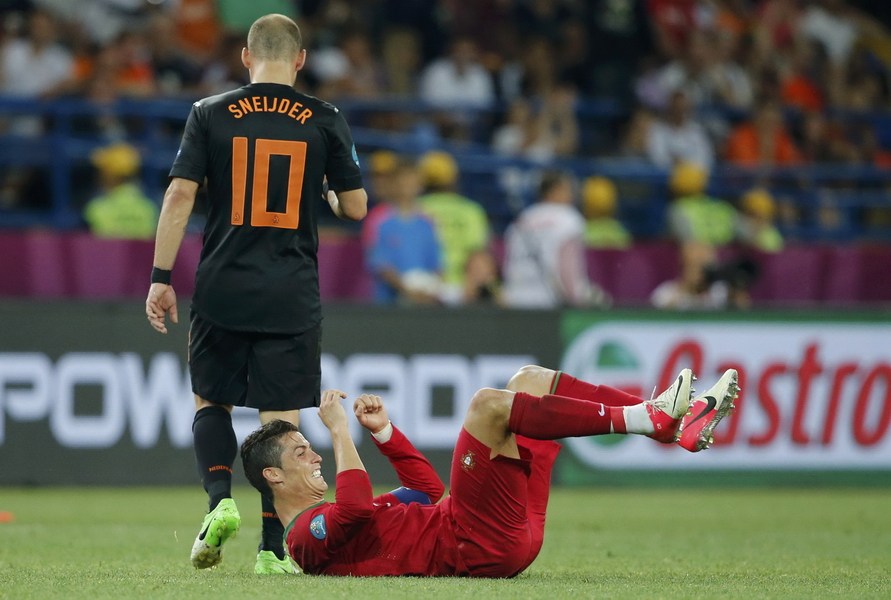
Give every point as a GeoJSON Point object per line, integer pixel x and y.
{"type": "Point", "coordinates": [219, 525]}
{"type": "Point", "coordinates": [269, 564]}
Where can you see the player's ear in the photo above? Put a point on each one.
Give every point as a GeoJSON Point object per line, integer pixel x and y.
{"type": "Point", "coordinates": [301, 60]}
{"type": "Point", "coordinates": [246, 58]}
{"type": "Point", "coordinates": [273, 475]}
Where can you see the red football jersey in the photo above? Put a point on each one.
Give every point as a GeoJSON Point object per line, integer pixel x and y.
{"type": "Point", "coordinates": [362, 535]}
{"type": "Point", "coordinates": [492, 524]}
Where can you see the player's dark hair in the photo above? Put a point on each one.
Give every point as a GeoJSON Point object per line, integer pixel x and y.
{"type": "Point", "coordinates": [262, 449]}
{"type": "Point", "coordinates": [274, 37]}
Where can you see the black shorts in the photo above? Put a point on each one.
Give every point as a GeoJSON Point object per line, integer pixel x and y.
{"type": "Point", "coordinates": [257, 370]}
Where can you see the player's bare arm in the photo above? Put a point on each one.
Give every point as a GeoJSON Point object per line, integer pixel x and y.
{"type": "Point", "coordinates": [178, 203]}
{"type": "Point", "coordinates": [334, 417]}
{"type": "Point", "coordinates": [349, 205]}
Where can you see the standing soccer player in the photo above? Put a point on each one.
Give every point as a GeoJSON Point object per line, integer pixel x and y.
{"type": "Point", "coordinates": [254, 339]}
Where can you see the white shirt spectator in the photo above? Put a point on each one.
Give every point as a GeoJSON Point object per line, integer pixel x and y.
{"type": "Point", "coordinates": [103, 20]}
{"type": "Point", "coordinates": [443, 84]}
{"type": "Point", "coordinates": [836, 32]}
{"type": "Point", "coordinates": [545, 264]}
{"type": "Point", "coordinates": [669, 144]}
{"type": "Point", "coordinates": [29, 74]}
{"type": "Point", "coordinates": [724, 82]}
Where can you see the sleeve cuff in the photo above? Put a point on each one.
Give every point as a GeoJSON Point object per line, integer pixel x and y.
{"type": "Point", "coordinates": [383, 436]}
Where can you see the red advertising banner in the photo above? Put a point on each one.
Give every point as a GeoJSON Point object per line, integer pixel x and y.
{"type": "Point", "coordinates": [815, 394]}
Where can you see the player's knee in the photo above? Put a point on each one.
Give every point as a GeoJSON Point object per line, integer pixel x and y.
{"type": "Point", "coordinates": [489, 406]}
{"type": "Point", "coordinates": [532, 379]}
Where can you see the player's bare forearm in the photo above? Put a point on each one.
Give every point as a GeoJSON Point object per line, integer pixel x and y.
{"type": "Point", "coordinates": [346, 457]}
{"type": "Point", "coordinates": [351, 205]}
{"type": "Point", "coordinates": [331, 411]}
{"type": "Point", "coordinates": [178, 203]}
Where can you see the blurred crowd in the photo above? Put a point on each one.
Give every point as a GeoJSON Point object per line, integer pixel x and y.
{"type": "Point", "coordinates": [692, 85]}
{"type": "Point", "coordinates": [785, 72]}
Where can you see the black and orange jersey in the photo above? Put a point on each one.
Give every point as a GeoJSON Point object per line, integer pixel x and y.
{"type": "Point", "coordinates": [264, 150]}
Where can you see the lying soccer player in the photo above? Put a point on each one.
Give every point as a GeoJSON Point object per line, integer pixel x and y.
{"type": "Point", "coordinates": [492, 523]}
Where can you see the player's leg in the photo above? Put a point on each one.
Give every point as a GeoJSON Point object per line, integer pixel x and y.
{"type": "Point", "coordinates": [285, 376]}
{"type": "Point", "coordinates": [215, 451]}
{"type": "Point", "coordinates": [538, 488]}
{"type": "Point", "coordinates": [540, 381]}
{"type": "Point", "coordinates": [217, 364]}
{"type": "Point", "coordinates": [499, 489]}
{"type": "Point", "coordinates": [494, 414]}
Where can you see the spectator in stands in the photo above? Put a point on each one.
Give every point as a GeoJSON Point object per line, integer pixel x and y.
{"type": "Point", "coordinates": [401, 55]}
{"type": "Point", "coordinates": [672, 21]}
{"type": "Point", "coordinates": [707, 73]}
{"type": "Point", "coordinates": [457, 80]}
{"type": "Point", "coordinates": [198, 28]}
{"type": "Point", "coordinates": [696, 288]}
{"type": "Point", "coordinates": [636, 135]}
{"type": "Point", "coordinates": [756, 224]}
{"type": "Point", "coordinates": [462, 226]}
{"type": "Point", "coordinates": [404, 258]}
{"type": "Point", "coordinates": [574, 53]}
{"type": "Point", "coordinates": [537, 73]}
{"type": "Point", "coordinates": [542, 17]}
{"type": "Point", "coordinates": [833, 25]}
{"type": "Point", "coordinates": [175, 72]}
{"type": "Point", "coordinates": [541, 135]}
{"type": "Point", "coordinates": [135, 75]}
{"type": "Point", "coordinates": [349, 69]}
{"type": "Point", "coordinates": [823, 141]}
{"type": "Point", "coordinates": [33, 66]}
{"type": "Point", "coordinates": [800, 78]}
{"type": "Point", "coordinates": [122, 210]}
{"type": "Point", "coordinates": [677, 137]}
{"type": "Point", "coordinates": [620, 36]}
{"type": "Point", "coordinates": [458, 85]}
{"type": "Point", "coordinates": [695, 216]}
{"type": "Point", "coordinates": [102, 21]}
{"type": "Point", "coordinates": [482, 282]}
{"type": "Point", "coordinates": [225, 72]}
{"type": "Point", "coordinates": [599, 205]}
{"type": "Point", "coordinates": [36, 66]}
{"type": "Point", "coordinates": [381, 166]}
{"type": "Point", "coordinates": [545, 263]}
{"type": "Point", "coordinates": [762, 141]}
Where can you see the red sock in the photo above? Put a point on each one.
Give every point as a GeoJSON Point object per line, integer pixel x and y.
{"type": "Point", "coordinates": [567, 385]}
{"type": "Point", "coordinates": [551, 417]}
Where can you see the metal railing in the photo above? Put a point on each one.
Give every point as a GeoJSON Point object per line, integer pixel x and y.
{"type": "Point", "coordinates": [856, 195]}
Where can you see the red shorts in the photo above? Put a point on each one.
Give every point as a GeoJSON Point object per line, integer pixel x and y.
{"type": "Point", "coordinates": [499, 504]}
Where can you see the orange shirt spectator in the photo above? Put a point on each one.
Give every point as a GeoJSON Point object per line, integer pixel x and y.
{"type": "Point", "coordinates": [198, 27]}
{"type": "Point", "coordinates": [800, 92]}
{"type": "Point", "coordinates": [763, 140]}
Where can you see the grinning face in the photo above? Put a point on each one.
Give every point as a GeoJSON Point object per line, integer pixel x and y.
{"type": "Point", "coordinates": [300, 472]}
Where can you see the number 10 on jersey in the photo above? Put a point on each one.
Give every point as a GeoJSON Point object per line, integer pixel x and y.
{"type": "Point", "coordinates": [264, 150]}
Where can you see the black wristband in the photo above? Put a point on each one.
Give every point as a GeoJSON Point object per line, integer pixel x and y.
{"type": "Point", "coordinates": [161, 275]}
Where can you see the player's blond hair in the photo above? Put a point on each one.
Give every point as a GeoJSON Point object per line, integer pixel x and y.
{"type": "Point", "coordinates": [274, 37]}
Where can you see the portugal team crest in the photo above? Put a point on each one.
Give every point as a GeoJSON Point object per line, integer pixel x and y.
{"type": "Point", "coordinates": [317, 527]}
{"type": "Point", "coordinates": [468, 461]}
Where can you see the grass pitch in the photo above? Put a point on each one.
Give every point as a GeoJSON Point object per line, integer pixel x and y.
{"type": "Point", "coordinates": [639, 543]}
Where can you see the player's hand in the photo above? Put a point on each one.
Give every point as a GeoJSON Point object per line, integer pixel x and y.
{"type": "Point", "coordinates": [161, 302]}
{"type": "Point", "coordinates": [370, 412]}
{"type": "Point", "coordinates": [331, 410]}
